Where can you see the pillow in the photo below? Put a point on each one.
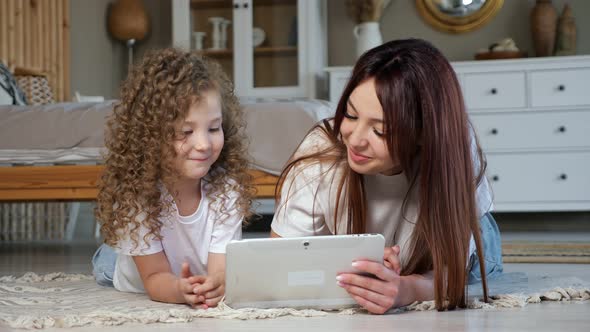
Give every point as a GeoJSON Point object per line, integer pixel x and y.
{"type": "Point", "coordinates": [275, 128]}
{"type": "Point", "coordinates": [36, 89]}
{"type": "Point", "coordinates": [10, 93]}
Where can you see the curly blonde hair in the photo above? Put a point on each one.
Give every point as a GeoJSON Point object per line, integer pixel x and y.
{"type": "Point", "coordinates": [139, 140]}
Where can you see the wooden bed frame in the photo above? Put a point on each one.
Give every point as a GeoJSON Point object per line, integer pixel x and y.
{"type": "Point", "coordinates": [78, 183]}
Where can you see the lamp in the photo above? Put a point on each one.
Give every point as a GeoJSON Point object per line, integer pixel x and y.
{"type": "Point", "coordinates": [128, 22]}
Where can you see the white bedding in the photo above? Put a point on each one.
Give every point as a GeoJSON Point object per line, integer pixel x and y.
{"type": "Point", "coordinates": [73, 133]}
{"type": "Point", "coordinates": [58, 156]}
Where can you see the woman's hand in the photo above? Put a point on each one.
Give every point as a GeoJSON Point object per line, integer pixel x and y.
{"type": "Point", "coordinates": [376, 294]}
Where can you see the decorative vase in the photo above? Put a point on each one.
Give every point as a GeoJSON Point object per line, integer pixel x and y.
{"type": "Point", "coordinates": [224, 26]}
{"type": "Point", "coordinates": [543, 24]}
{"type": "Point", "coordinates": [566, 33]}
{"type": "Point", "coordinates": [216, 23]}
{"type": "Point", "coordinates": [367, 36]}
{"type": "Point", "coordinates": [198, 38]}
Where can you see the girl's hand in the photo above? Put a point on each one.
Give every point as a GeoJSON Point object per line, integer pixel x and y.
{"type": "Point", "coordinates": [186, 285]}
{"type": "Point", "coordinates": [377, 295]}
{"type": "Point", "coordinates": [211, 290]}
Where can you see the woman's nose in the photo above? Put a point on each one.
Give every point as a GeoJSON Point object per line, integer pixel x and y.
{"type": "Point", "coordinates": [357, 136]}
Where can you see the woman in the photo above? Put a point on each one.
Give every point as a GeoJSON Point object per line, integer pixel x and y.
{"type": "Point", "coordinates": [399, 158]}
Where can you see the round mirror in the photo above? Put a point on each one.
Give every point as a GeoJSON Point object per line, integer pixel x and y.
{"type": "Point", "coordinates": [458, 15]}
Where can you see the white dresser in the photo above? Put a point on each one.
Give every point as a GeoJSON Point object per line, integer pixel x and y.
{"type": "Point", "coordinates": [532, 117]}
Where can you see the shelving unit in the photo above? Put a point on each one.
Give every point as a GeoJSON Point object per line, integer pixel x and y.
{"type": "Point", "coordinates": [286, 64]}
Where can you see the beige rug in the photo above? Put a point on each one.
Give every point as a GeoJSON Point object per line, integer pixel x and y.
{"type": "Point", "coordinates": [67, 300]}
{"type": "Point", "coordinates": [545, 252]}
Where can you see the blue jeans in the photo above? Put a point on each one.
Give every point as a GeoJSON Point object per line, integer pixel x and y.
{"type": "Point", "coordinates": [103, 265]}
{"type": "Point", "coordinates": [492, 251]}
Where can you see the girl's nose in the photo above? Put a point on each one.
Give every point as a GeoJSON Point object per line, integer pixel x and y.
{"type": "Point", "coordinates": [201, 142]}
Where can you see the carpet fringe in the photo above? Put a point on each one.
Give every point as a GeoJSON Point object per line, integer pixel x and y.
{"type": "Point", "coordinates": [30, 277]}
{"type": "Point", "coordinates": [222, 311]}
{"type": "Point", "coordinates": [515, 300]}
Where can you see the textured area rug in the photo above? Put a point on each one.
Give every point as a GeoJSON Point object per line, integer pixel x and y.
{"type": "Point", "coordinates": [545, 252]}
{"type": "Point", "coordinates": [68, 300]}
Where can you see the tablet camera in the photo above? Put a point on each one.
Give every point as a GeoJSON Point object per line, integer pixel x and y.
{"type": "Point", "coordinates": [305, 244]}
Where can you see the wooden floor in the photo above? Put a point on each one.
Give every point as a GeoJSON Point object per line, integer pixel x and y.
{"type": "Point", "coordinates": [15, 259]}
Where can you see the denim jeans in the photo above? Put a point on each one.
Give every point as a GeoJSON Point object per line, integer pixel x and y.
{"type": "Point", "coordinates": [103, 265]}
{"type": "Point", "coordinates": [492, 251]}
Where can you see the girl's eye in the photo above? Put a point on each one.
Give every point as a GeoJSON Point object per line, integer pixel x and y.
{"type": "Point", "coordinates": [377, 132]}
{"type": "Point", "coordinates": [183, 134]}
{"type": "Point", "coordinates": [212, 130]}
{"type": "Point", "coordinates": [347, 115]}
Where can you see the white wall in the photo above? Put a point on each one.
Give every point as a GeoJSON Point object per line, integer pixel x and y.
{"type": "Point", "coordinates": [99, 62]}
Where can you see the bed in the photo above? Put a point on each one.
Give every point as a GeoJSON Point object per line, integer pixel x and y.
{"type": "Point", "coordinates": [53, 152]}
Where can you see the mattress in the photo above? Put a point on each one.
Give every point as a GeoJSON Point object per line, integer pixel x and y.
{"type": "Point", "coordinates": [73, 133]}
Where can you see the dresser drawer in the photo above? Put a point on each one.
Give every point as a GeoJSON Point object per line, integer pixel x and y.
{"type": "Point", "coordinates": [532, 130]}
{"type": "Point", "coordinates": [560, 87]}
{"type": "Point", "coordinates": [494, 90]}
{"type": "Point", "coordinates": [551, 177]}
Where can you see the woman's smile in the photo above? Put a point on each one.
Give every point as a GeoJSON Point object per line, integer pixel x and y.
{"type": "Point", "coordinates": [357, 157]}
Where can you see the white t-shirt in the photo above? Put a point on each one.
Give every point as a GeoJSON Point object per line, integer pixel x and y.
{"type": "Point", "coordinates": [297, 215]}
{"type": "Point", "coordinates": [184, 239]}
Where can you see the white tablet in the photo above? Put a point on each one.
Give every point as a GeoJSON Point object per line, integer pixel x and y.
{"type": "Point", "coordinates": [295, 272]}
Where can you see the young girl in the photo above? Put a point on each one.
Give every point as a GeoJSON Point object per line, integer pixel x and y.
{"type": "Point", "coordinates": [399, 158]}
{"type": "Point", "coordinates": [175, 189]}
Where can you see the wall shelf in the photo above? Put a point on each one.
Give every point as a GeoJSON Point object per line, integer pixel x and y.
{"type": "Point", "coordinates": [211, 4]}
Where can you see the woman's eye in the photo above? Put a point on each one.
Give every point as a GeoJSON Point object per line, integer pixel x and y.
{"type": "Point", "coordinates": [187, 132]}
{"type": "Point", "coordinates": [377, 132]}
{"type": "Point", "coordinates": [347, 115]}
{"type": "Point", "coordinates": [212, 130]}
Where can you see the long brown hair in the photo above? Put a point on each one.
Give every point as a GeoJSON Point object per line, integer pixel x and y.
{"type": "Point", "coordinates": [428, 130]}
{"type": "Point", "coordinates": [139, 141]}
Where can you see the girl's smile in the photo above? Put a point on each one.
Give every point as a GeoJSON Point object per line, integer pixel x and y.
{"type": "Point", "coordinates": [198, 159]}
{"type": "Point", "coordinates": [201, 138]}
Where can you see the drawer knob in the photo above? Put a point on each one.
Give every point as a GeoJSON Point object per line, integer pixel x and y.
{"type": "Point", "coordinates": [563, 176]}
{"type": "Point", "coordinates": [237, 6]}
{"type": "Point", "coordinates": [494, 91]}
{"type": "Point", "coordinates": [561, 129]}
{"type": "Point", "coordinates": [494, 131]}
{"type": "Point", "coordinates": [495, 178]}
{"type": "Point", "coordinates": [561, 87]}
